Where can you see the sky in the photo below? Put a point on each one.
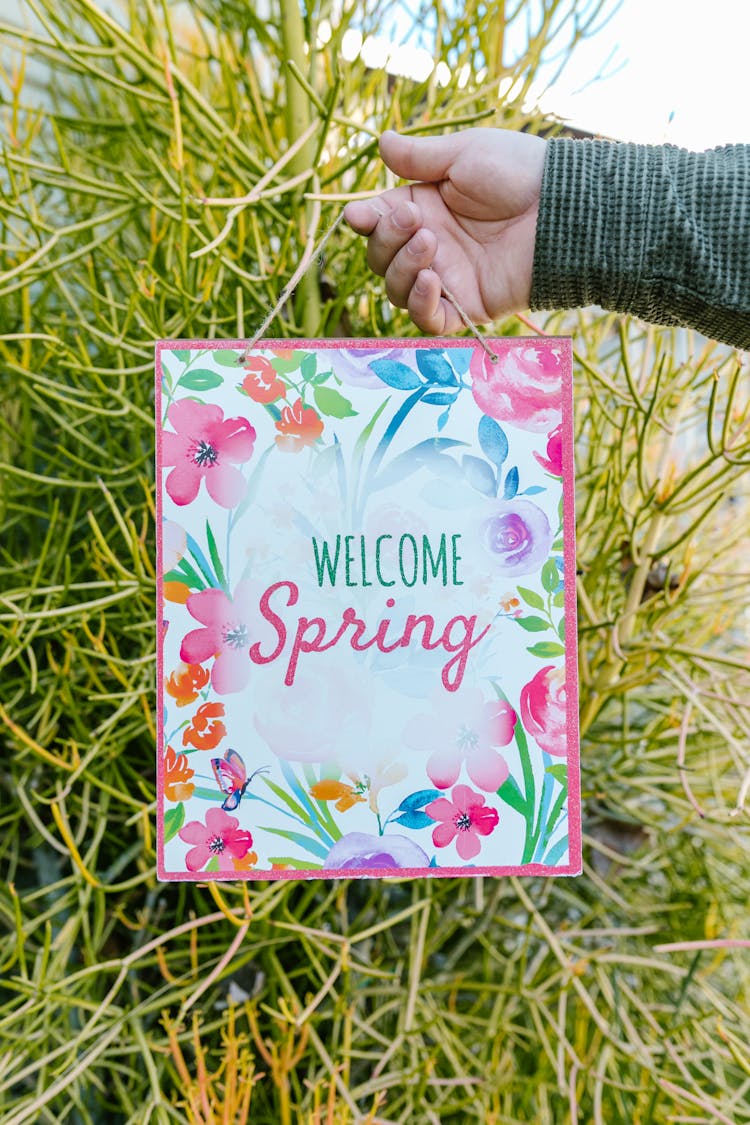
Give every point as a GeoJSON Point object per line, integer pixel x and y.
{"type": "Point", "coordinates": [677, 73]}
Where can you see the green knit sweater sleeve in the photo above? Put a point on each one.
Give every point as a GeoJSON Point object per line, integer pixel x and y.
{"type": "Point", "coordinates": [655, 231]}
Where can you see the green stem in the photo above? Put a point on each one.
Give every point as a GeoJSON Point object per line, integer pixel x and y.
{"type": "Point", "coordinates": [297, 111]}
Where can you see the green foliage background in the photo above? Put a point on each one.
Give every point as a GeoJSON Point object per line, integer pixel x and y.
{"type": "Point", "coordinates": [448, 1001]}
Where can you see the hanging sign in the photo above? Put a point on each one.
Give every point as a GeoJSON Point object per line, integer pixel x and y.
{"type": "Point", "coordinates": [366, 657]}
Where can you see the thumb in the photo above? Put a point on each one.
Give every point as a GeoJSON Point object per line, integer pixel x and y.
{"type": "Point", "coordinates": [420, 158]}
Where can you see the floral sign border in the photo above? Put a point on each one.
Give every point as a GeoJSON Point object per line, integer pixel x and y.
{"type": "Point", "coordinates": [365, 436]}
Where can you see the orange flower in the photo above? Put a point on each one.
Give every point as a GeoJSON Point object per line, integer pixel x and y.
{"type": "Point", "coordinates": [206, 731]}
{"type": "Point", "coordinates": [298, 426]}
{"type": "Point", "coordinates": [177, 774]}
{"type": "Point", "coordinates": [345, 796]}
{"type": "Point", "coordinates": [261, 383]}
{"type": "Point", "coordinates": [186, 682]}
{"type": "Point", "coordinates": [178, 592]}
{"type": "Point", "coordinates": [246, 863]}
{"type": "Point", "coordinates": [509, 603]}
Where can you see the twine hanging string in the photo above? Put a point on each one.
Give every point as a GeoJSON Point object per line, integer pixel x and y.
{"type": "Point", "coordinates": [315, 254]}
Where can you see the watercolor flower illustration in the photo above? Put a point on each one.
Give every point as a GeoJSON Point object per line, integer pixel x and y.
{"type": "Point", "coordinates": [206, 730]}
{"type": "Point", "coordinates": [298, 426]}
{"type": "Point", "coordinates": [544, 709]}
{"type": "Point", "coordinates": [353, 366]}
{"type": "Point", "coordinates": [463, 818]}
{"type": "Point", "coordinates": [517, 536]}
{"type": "Point", "coordinates": [357, 851]}
{"type": "Point", "coordinates": [261, 383]}
{"type": "Point", "coordinates": [523, 386]}
{"type": "Point", "coordinates": [323, 719]}
{"type": "Point", "coordinates": [226, 635]}
{"type": "Point", "coordinates": [177, 774]}
{"type": "Point", "coordinates": [463, 728]}
{"type": "Point", "coordinates": [553, 461]}
{"type": "Point", "coordinates": [186, 683]}
{"type": "Point", "coordinates": [205, 446]}
{"type": "Point", "coordinates": [219, 838]}
{"type": "Point", "coordinates": [173, 544]}
{"type": "Point", "coordinates": [345, 796]}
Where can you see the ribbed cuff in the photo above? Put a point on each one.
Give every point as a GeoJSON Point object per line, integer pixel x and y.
{"type": "Point", "coordinates": [654, 231]}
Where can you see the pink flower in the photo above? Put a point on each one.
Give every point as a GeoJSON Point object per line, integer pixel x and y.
{"type": "Point", "coordinates": [464, 728]}
{"type": "Point", "coordinates": [524, 386]}
{"type": "Point", "coordinates": [553, 461]}
{"type": "Point", "coordinates": [220, 836]}
{"type": "Point", "coordinates": [226, 635]}
{"type": "Point", "coordinates": [464, 819]}
{"type": "Point", "coordinates": [325, 718]}
{"type": "Point", "coordinates": [206, 446]}
{"type": "Point", "coordinates": [544, 711]}
{"type": "Point", "coordinates": [517, 536]}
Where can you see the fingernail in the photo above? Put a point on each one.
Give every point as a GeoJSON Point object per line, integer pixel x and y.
{"type": "Point", "coordinates": [420, 285]}
{"type": "Point", "coordinates": [403, 216]}
{"type": "Point", "coordinates": [417, 244]}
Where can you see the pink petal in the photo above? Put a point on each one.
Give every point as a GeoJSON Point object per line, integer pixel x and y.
{"type": "Point", "coordinates": [498, 723]}
{"type": "Point", "coordinates": [200, 645]}
{"type": "Point", "coordinates": [194, 832]}
{"type": "Point", "coordinates": [443, 834]}
{"type": "Point", "coordinates": [441, 809]}
{"type": "Point", "coordinates": [231, 671]}
{"type": "Point", "coordinates": [210, 607]}
{"type": "Point", "coordinates": [487, 769]}
{"type": "Point", "coordinates": [198, 857]}
{"type": "Point", "coordinates": [465, 798]}
{"type": "Point", "coordinates": [220, 822]}
{"type": "Point", "coordinates": [467, 844]}
{"type": "Point", "coordinates": [174, 447]}
{"type": "Point", "coordinates": [183, 483]}
{"type": "Point", "coordinates": [226, 485]}
{"type": "Point", "coordinates": [234, 438]}
{"type": "Point", "coordinates": [485, 821]}
{"type": "Point", "coordinates": [425, 732]}
{"type": "Point", "coordinates": [443, 768]}
{"type": "Point", "coordinates": [191, 418]}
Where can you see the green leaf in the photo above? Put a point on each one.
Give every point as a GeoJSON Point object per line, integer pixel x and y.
{"type": "Point", "coordinates": [329, 401]}
{"type": "Point", "coordinates": [546, 649]}
{"type": "Point", "coordinates": [510, 794]}
{"type": "Point", "coordinates": [285, 365]}
{"type": "Point", "coordinates": [201, 379]}
{"type": "Point", "coordinates": [558, 599]}
{"type": "Point", "coordinates": [215, 559]}
{"type": "Point", "coordinates": [308, 367]}
{"type": "Point", "coordinates": [212, 865]}
{"type": "Point", "coordinates": [559, 772]}
{"type": "Point", "coordinates": [181, 354]}
{"type": "Point", "coordinates": [227, 358]}
{"type": "Point", "coordinates": [550, 576]}
{"type": "Point", "coordinates": [297, 864]}
{"type": "Point", "coordinates": [561, 629]}
{"type": "Point", "coordinates": [533, 624]}
{"type": "Point", "coordinates": [173, 821]}
{"type": "Point", "coordinates": [536, 601]}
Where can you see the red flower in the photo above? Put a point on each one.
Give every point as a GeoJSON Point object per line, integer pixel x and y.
{"type": "Point", "coordinates": [186, 682]}
{"type": "Point", "coordinates": [544, 710]}
{"type": "Point", "coordinates": [206, 730]}
{"type": "Point", "coordinates": [261, 383]}
{"type": "Point", "coordinates": [206, 446]}
{"type": "Point", "coordinates": [220, 836]}
{"type": "Point", "coordinates": [553, 461]}
{"type": "Point", "coordinates": [464, 819]}
{"type": "Point", "coordinates": [298, 426]}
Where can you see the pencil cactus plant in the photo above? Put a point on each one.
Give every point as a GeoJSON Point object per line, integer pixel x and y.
{"type": "Point", "coordinates": [165, 169]}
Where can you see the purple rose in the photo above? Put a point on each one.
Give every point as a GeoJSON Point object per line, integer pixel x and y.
{"type": "Point", "coordinates": [517, 536]}
{"type": "Point", "coordinates": [353, 367]}
{"type": "Point", "coordinates": [358, 851]}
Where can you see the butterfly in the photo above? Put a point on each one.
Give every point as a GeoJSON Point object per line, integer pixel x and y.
{"type": "Point", "coordinates": [231, 777]}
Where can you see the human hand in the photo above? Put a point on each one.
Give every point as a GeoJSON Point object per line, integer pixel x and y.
{"type": "Point", "coordinates": [468, 224]}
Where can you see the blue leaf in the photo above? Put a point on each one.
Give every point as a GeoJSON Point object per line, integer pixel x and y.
{"type": "Point", "coordinates": [439, 398]}
{"type": "Point", "coordinates": [493, 441]}
{"type": "Point", "coordinates": [435, 367]}
{"type": "Point", "coordinates": [479, 475]}
{"type": "Point", "coordinates": [396, 374]}
{"type": "Point", "coordinates": [419, 799]}
{"type": "Point", "coordinates": [533, 490]}
{"type": "Point", "coordinates": [461, 359]}
{"type": "Point", "coordinates": [413, 820]}
{"type": "Point", "coordinates": [511, 484]}
{"type": "Point", "coordinates": [443, 419]}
